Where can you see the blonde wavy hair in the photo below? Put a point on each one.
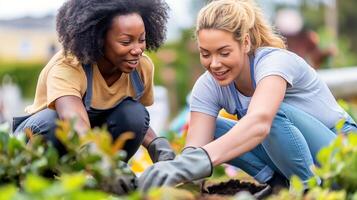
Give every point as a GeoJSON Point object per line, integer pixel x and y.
{"type": "Point", "coordinates": [240, 17]}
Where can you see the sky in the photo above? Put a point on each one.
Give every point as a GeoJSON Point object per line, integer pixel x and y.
{"type": "Point", "coordinates": [180, 15]}
{"type": "Point", "coordinates": [9, 9]}
{"type": "Point", "coordinates": [18, 8]}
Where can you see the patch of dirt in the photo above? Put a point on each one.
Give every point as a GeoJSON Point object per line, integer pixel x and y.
{"type": "Point", "coordinates": [234, 186]}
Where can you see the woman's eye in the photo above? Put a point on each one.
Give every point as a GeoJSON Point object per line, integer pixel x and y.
{"type": "Point", "coordinates": [225, 54]}
{"type": "Point", "coordinates": [125, 43]}
{"type": "Point", "coordinates": [205, 55]}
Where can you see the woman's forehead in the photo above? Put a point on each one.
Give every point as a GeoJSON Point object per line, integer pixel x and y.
{"type": "Point", "coordinates": [128, 23]}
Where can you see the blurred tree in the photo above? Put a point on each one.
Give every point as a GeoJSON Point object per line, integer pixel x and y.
{"type": "Point", "coordinates": [347, 17]}
{"type": "Point", "coordinates": [177, 67]}
{"type": "Point", "coordinates": [317, 16]}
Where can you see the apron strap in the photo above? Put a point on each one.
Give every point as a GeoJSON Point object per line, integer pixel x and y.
{"type": "Point", "coordinates": [137, 83]}
{"type": "Point", "coordinates": [232, 87]}
{"type": "Point", "coordinates": [251, 65]}
{"type": "Point", "coordinates": [252, 77]}
{"type": "Point", "coordinates": [88, 95]}
{"type": "Point", "coordinates": [237, 102]}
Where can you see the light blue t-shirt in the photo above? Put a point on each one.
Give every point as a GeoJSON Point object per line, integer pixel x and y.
{"type": "Point", "coordinates": [305, 91]}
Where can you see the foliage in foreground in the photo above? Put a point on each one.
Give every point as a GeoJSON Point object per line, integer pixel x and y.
{"type": "Point", "coordinates": [39, 188]}
{"type": "Point", "coordinates": [90, 170]}
{"type": "Point", "coordinates": [338, 167]}
{"type": "Point", "coordinates": [94, 156]}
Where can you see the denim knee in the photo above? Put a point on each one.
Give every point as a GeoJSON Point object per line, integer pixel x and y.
{"type": "Point", "coordinates": [294, 157]}
{"type": "Point", "coordinates": [43, 123]}
{"type": "Point", "coordinates": [39, 123]}
{"type": "Point", "coordinates": [132, 116]}
{"type": "Point", "coordinates": [129, 115]}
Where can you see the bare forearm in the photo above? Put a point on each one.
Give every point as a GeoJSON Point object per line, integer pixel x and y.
{"type": "Point", "coordinates": [201, 130]}
{"type": "Point", "coordinates": [81, 124]}
{"type": "Point", "coordinates": [150, 135]}
{"type": "Point", "coordinates": [247, 134]}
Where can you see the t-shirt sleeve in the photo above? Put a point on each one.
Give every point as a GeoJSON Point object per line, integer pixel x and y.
{"type": "Point", "coordinates": [204, 97]}
{"type": "Point", "coordinates": [147, 74]}
{"type": "Point", "coordinates": [277, 63]}
{"type": "Point", "coordinates": [63, 80]}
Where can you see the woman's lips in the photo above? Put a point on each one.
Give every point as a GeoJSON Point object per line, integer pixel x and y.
{"type": "Point", "coordinates": [221, 75]}
{"type": "Point", "coordinates": [132, 63]}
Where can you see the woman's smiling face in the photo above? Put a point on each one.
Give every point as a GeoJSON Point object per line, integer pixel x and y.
{"type": "Point", "coordinates": [221, 55]}
{"type": "Point", "coordinates": [125, 42]}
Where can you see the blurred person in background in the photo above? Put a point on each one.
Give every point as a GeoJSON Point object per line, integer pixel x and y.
{"type": "Point", "coordinates": [301, 40]}
{"type": "Point", "coordinates": [102, 75]}
{"type": "Point", "coordinates": [286, 112]}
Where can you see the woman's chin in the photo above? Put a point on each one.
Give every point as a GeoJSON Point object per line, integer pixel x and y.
{"type": "Point", "coordinates": [224, 82]}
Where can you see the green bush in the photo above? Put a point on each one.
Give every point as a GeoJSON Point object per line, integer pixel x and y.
{"type": "Point", "coordinates": [25, 75]}
{"type": "Point", "coordinates": [94, 154]}
{"type": "Point", "coordinates": [36, 187]}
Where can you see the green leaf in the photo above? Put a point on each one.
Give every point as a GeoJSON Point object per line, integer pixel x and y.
{"type": "Point", "coordinates": [339, 125]}
{"type": "Point", "coordinates": [8, 192]}
{"type": "Point", "coordinates": [39, 164]}
{"type": "Point", "coordinates": [35, 184]}
{"type": "Point", "coordinates": [323, 156]}
{"type": "Point", "coordinates": [14, 145]}
{"type": "Point", "coordinates": [73, 181]}
{"type": "Point", "coordinates": [352, 140]}
{"type": "Point", "coordinates": [297, 184]}
{"type": "Point", "coordinates": [52, 157]}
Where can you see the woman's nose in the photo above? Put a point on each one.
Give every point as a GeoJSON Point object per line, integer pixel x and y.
{"type": "Point", "coordinates": [136, 51]}
{"type": "Point", "coordinates": [215, 63]}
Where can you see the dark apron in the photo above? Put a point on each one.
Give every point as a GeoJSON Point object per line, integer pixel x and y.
{"type": "Point", "coordinates": [87, 98]}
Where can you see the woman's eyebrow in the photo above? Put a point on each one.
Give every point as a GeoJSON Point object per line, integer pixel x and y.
{"type": "Point", "coordinates": [220, 48]}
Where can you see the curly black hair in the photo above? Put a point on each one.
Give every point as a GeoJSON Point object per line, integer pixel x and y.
{"type": "Point", "coordinates": [82, 24]}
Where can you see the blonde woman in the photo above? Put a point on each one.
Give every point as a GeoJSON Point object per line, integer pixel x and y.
{"type": "Point", "coordinates": [287, 114]}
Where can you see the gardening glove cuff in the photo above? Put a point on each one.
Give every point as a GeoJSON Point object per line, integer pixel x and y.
{"type": "Point", "coordinates": [160, 150]}
{"type": "Point", "coordinates": [189, 166]}
{"type": "Point", "coordinates": [187, 149]}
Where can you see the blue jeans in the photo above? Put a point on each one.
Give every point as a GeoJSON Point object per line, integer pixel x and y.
{"type": "Point", "coordinates": [290, 148]}
{"type": "Point", "coordinates": [128, 115]}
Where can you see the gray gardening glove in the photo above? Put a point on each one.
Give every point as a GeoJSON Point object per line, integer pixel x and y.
{"type": "Point", "coordinates": [160, 150]}
{"type": "Point", "coordinates": [120, 184]}
{"type": "Point", "coordinates": [192, 164]}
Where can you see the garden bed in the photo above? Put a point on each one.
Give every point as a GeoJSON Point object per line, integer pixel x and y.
{"type": "Point", "coordinates": [234, 186]}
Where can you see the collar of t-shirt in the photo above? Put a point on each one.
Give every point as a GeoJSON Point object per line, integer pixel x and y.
{"type": "Point", "coordinates": [244, 100]}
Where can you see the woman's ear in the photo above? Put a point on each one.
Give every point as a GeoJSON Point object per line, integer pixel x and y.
{"type": "Point", "coordinates": [246, 43]}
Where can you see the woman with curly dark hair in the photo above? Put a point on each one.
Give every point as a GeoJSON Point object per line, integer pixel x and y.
{"type": "Point", "coordinates": [102, 75]}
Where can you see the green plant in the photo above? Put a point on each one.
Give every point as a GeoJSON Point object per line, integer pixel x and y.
{"type": "Point", "coordinates": [36, 187]}
{"type": "Point", "coordinates": [94, 154]}
{"type": "Point", "coordinates": [339, 163]}
{"type": "Point", "coordinates": [337, 169]}
{"type": "Point", "coordinates": [18, 158]}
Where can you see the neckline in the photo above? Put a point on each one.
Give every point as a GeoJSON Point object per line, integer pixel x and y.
{"type": "Point", "coordinates": [113, 86]}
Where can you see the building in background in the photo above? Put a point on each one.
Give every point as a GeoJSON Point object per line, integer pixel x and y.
{"type": "Point", "coordinates": [28, 39]}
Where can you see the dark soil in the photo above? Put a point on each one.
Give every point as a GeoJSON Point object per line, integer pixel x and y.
{"type": "Point", "coordinates": [232, 187]}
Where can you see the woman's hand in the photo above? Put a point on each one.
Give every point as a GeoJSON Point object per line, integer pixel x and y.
{"type": "Point", "coordinates": [160, 150]}
{"type": "Point", "coordinates": [192, 164]}
{"type": "Point", "coordinates": [158, 147]}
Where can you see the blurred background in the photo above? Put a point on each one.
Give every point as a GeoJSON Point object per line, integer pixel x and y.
{"type": "Point", "coordinates": [321, 31]}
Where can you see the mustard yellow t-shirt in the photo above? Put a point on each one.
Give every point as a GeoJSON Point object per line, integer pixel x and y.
{"type": "Point", "coordinates": [64, 75]}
